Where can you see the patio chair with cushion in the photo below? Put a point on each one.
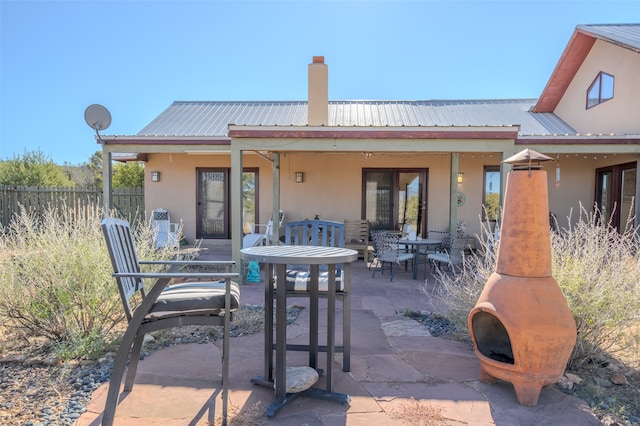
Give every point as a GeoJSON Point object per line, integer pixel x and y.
{"type": "Point", "coordinates": [450, 257]}
{"type": "Point", "coordinates": [327, 234]}
{"type": "Point", "coordinates": [376, 240]}
{"type": "Point", "coordinates": [166, 304]}
{"type": "Point", "coordinates": [389, 251]}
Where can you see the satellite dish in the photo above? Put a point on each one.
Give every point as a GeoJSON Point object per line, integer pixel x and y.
{"type": "Point", "coordinates": [97, 117]}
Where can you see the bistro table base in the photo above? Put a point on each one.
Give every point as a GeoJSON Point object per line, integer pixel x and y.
{"type": "Point", "coordinates": [316, 393]}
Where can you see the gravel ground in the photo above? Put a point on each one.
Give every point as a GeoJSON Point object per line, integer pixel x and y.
{"type": "Point", "coordinates": [36, 390]}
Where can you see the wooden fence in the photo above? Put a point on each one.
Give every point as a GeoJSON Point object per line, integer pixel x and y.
{"type": "Point", "coordinates": [128, 203]}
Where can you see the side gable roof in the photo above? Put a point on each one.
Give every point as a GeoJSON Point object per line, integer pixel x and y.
{"type": "Point", "coordinates": [583, 38]}
{"type": "Point", "coordinates": [211, 119]}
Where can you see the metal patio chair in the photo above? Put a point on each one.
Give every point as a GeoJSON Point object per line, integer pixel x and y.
{"type": "Point", "coordinates": [451, 257]}
{"type": "Point", "coordinates": [391, 252]}
{"type": "Point", "coordinates": [166, 304]}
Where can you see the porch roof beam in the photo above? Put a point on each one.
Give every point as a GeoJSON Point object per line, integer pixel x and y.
{"type": "Point", "coordinates": [328, 146]}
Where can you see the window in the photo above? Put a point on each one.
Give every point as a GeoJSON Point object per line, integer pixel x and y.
{"type": "Point", "coordinates": [491, 193]}
{"type": "Point", "coordinates": [601, 90]}
{"type": "Point", "coordinates": [249, 199]}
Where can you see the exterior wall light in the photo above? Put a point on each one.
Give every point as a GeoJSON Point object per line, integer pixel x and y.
{"type": "Point", "coordinates": [460, 178]}
{"type": "Point", "coordinates": [155, 176]}
{"type": "Point", "coordinates": [299, 177]}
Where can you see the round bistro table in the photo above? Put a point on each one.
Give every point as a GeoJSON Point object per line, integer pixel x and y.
{"type": "Point", "coordinates": [276, 259]}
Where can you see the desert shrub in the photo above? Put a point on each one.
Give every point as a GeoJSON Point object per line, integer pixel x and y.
{"type": "Point", "coordinates": [598, 270]}
{"type": "Point", "coordinates": [56, 282]}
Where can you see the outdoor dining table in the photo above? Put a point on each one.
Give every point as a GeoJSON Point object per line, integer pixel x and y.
{"type": "Point", "coordinates": [277, 258]}
{"type": "Point", "coordinates": [416, 251]}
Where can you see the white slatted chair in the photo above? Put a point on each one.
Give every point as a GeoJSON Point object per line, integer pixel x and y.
{"type": "Point", "coordinates": [165, 305]}
{"type": "Point", "coordinates": [261, 238]}
{"type": "Point", "coordinates": [165, 232]}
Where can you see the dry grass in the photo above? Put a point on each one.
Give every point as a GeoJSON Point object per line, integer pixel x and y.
{"type": "Point", "coordinates": [249, 416]}
{"type": "Point", "coordinates": [419, 413]}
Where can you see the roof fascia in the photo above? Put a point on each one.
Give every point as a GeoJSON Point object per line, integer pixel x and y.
{"type": "Point", "coordinates": [166, 140]}
{"type": "Point", "coordinates": [431, 132]}
{"type": "Point", "coordinates": [571, 60]}
{"type": "Point", "coordinates": [598, 144]}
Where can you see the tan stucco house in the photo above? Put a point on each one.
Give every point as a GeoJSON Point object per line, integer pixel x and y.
{"type": "Point", "coordinates": [431, 163]}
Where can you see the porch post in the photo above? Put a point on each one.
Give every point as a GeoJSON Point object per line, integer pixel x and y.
{"type": "Point", "coordinates": [505, 168]}
{"type": "Point", "coordinates": [275, 214]}
{"type": "Point", "coordinates": [453, 196]}
{"type": "Point", "coordinates": [106, 179]}
{"type": "Point", "coordinates": [236, 207]}
{"type": "Point", "coordinates": [636, 211]}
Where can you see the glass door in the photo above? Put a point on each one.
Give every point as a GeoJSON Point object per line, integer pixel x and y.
{"type": "Point", "coordinates": [410, 206]}
{"type": "Point", "coordinates": [394, 197]}
{"type": "Point", "coordinates": [379, 199]}
{"type": "Point", "coordinates": [627, 198]}
{"type": "Point", "coordinates": [615, 192]}
{"type": "Point", "coordinates": [212, 195]}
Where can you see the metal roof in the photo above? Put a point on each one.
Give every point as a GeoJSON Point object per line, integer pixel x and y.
{"type": "Point", "coordinates": [623, 34]}
{"type": "Point", "coordinates": [193, 118]}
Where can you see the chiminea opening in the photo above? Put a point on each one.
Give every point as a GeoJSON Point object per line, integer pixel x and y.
{"type": "Point", "coordinates": [492, 338]}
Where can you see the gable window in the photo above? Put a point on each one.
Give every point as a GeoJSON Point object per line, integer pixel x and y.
{"type": "Point", "coordinates": [601, 90]}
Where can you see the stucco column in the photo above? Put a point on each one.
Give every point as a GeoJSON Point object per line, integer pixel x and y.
{"type": "Point", "coordinates": [236, 207]}
{"type": "Point", "coordinates": [637, 206]}
{"type": "Point", "coordinates": [106, 179]}
{"type": "Point", "coordinates": [453, 195]}
{"type": "Point", "coordinates": [505, 168]}
{"type": "Point", "coordinates": [275, 213]}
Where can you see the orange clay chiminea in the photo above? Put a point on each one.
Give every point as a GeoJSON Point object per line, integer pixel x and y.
{"type": "Point", "coordinates": [522, 329]}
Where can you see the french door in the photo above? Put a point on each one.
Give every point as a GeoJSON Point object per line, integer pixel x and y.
{"type": "Point", "coordinates": [212, 214]}
{"type": "Point", "coordinates": [615, 192]}
{"type": "Point", "coordinates": [394, 197]}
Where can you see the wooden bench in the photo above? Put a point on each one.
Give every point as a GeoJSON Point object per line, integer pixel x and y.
{"type": "Point", "coordinates": [356, 237]}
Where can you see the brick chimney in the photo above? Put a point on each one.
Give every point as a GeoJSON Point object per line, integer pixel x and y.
{"type": "Point", "coordinates": [318, 105]}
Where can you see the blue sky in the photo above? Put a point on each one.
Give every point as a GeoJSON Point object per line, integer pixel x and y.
{"type": "Point", "coordinates": [137, 57]}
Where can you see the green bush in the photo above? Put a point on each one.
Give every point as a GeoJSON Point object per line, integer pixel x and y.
{"type": "Point", "coordinates": [598, 270]}
{"type": "Point", "coordinates": [55, 276]}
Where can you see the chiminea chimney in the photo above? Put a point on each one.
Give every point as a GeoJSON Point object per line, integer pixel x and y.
{"type": "Point", "coordinates": [318, 104]}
